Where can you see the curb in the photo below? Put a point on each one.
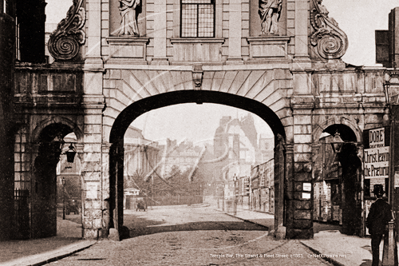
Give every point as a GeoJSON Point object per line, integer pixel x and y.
{"type": "Point", "coordinates": [245, 220]}
{"type": "Point", "coordinates": [50, 256]}
{"type": "Point", "coordinates": [328, 259]}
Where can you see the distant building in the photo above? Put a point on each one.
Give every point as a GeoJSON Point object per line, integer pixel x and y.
{"type": "Point", "coordinates": [261, 187]}
{"type": "Point", "coordinates": [183, 156]}
{"type": "Point", "coordinates": [142, 156]}
{"type": "Point", "coordinates": [266, 147]}
{"type": "Point", "coordinates": [387, 41]}
{"type": "Point", "coordinates": [237, 145]}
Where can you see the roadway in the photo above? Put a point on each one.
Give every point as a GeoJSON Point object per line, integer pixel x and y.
{"type": "Point", "coordinates": [192, 235]}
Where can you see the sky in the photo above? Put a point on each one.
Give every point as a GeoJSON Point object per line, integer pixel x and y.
{"type": "Point", "coordinates": [190, 121]}
{"type": "Point", "coordinates": [357, 18]}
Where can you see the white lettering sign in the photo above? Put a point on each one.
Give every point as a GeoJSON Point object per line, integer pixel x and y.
{"type": "Point", "coordinates": [377, 137]}
{"type": "Point", "coordinates": [376, 162]}
{"type": "Point", "coordinates": [92, 190]}
{"type": "Point", "coordinates": [307, 187]}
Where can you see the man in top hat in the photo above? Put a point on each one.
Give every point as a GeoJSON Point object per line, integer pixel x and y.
{"type": "Point", "coordinates": [379, 216]}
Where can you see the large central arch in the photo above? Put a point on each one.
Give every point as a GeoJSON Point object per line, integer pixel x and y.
{"type": "Point", "coordinates": [129, 114]}
{"type": "Point", "coordinates": [126, 117]}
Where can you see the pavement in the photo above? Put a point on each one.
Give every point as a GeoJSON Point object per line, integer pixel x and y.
{"type": "Point", "coordinates": [41, 251]}
{"type": "Point", "coordinates": [328, 243]}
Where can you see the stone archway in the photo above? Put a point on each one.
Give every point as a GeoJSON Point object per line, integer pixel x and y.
{"type": "Point", "coordinates": [341, 176]}
{"type": "Point", "coordinates": [46, 149]}
{"type": "Point", "coordinates": [130, 113]}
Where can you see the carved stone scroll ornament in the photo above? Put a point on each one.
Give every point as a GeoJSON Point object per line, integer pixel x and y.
{"type": "Point", "coordinates": [65, 41]}
{"type": "Point", "coordinates": [328, 40]}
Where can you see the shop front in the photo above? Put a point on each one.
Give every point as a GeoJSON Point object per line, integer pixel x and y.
{"type": "Point", "coordinates": [328, 196]}
{"type": "Point", "coordinates": [262, 185]}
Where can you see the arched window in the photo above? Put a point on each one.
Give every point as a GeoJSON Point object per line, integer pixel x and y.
{"type": "Point", "coordinates": [197, 19]}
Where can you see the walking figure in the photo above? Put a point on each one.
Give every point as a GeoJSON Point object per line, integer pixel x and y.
{"type": "Point", "coordinates": [377, 220]}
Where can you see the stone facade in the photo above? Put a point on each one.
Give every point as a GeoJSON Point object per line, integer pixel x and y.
{"type": "Point", "coordinates": [236, 148]}
{"type": "Point", "coordinates": [387, 48]}
{"type": "Point", "coordinates": [291, 80]}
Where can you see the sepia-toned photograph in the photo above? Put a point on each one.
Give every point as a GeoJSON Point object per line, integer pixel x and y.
{"type": "Point", "coordinates": [199, 132]}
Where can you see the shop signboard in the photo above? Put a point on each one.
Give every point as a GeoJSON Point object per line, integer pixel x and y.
{"type": "Point", "coordinates": [376, 153]}
{"type": "Point", "coordinates": [375, 163]}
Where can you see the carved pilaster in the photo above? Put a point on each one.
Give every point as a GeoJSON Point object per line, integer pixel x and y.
{"type": "Point", "coordinates": [65, 41]}
{"type": "Point", "coordinates": [327, 39]}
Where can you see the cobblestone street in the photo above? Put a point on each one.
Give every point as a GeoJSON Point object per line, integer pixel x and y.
{"type": "Point", "coordinates": [184, 235]}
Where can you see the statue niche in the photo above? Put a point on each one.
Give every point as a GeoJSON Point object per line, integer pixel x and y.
{"type": "Point", "coordinates": [269, 11]}
{"type": "Point", "coordinates": [129, 10]}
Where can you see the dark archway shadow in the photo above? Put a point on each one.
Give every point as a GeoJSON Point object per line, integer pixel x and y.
{"type": "Point", "coordinates": [143, 226]}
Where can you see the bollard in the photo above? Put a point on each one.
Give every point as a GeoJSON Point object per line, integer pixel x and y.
{"type": "Point", "coordinates": [390, 253]}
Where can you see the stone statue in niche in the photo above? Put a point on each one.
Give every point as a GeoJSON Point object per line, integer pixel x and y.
{"type": "Point", "coordinates": [270, 11]}
{"type": "Point", "coordinates": [129, 11]}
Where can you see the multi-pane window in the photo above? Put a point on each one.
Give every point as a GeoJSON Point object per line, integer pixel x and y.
{"type": "Point", "coordinates": [17, 40]}
{"type": "Point", "coordinates": [197, 18]}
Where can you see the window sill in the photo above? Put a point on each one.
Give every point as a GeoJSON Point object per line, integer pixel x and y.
{"type": "Point", "coordinates": [126, 39]}
{"type": "Point", "coordinates": [197, 40]}
{"type": "Point", "coordinates": [262, 39]}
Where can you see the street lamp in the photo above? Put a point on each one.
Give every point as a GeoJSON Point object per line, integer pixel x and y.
{"type": "Point", "coordinates": [337, 143]}
{"type": "Point", "coordinates": [70, 153]}
{"type": "Point", "coordinates": [217, 194]}
{"type": "Point", "coordinates": [63, 198]}
{"type": "Point", "coordinates": [201, 196]}
{"type": "Point", "coordinates": [223, 188]}
{"type": "Point", "coordinates": [235, 194]}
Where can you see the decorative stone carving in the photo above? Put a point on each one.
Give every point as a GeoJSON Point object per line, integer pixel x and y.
{"type": "Point", "coordinates": [269, 11]}
{"type": "Point", "coordinates": [328, 40]}
{"type": "Point", "coordinates": [129, 13]}
{"type": "Point", "coordinates": [197, 76]}
{"type": "Point", "coordinates": [65, 41]}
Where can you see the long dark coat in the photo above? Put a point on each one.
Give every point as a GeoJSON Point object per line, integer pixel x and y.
{"type": "Point", "coordinates": [379, 216]}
